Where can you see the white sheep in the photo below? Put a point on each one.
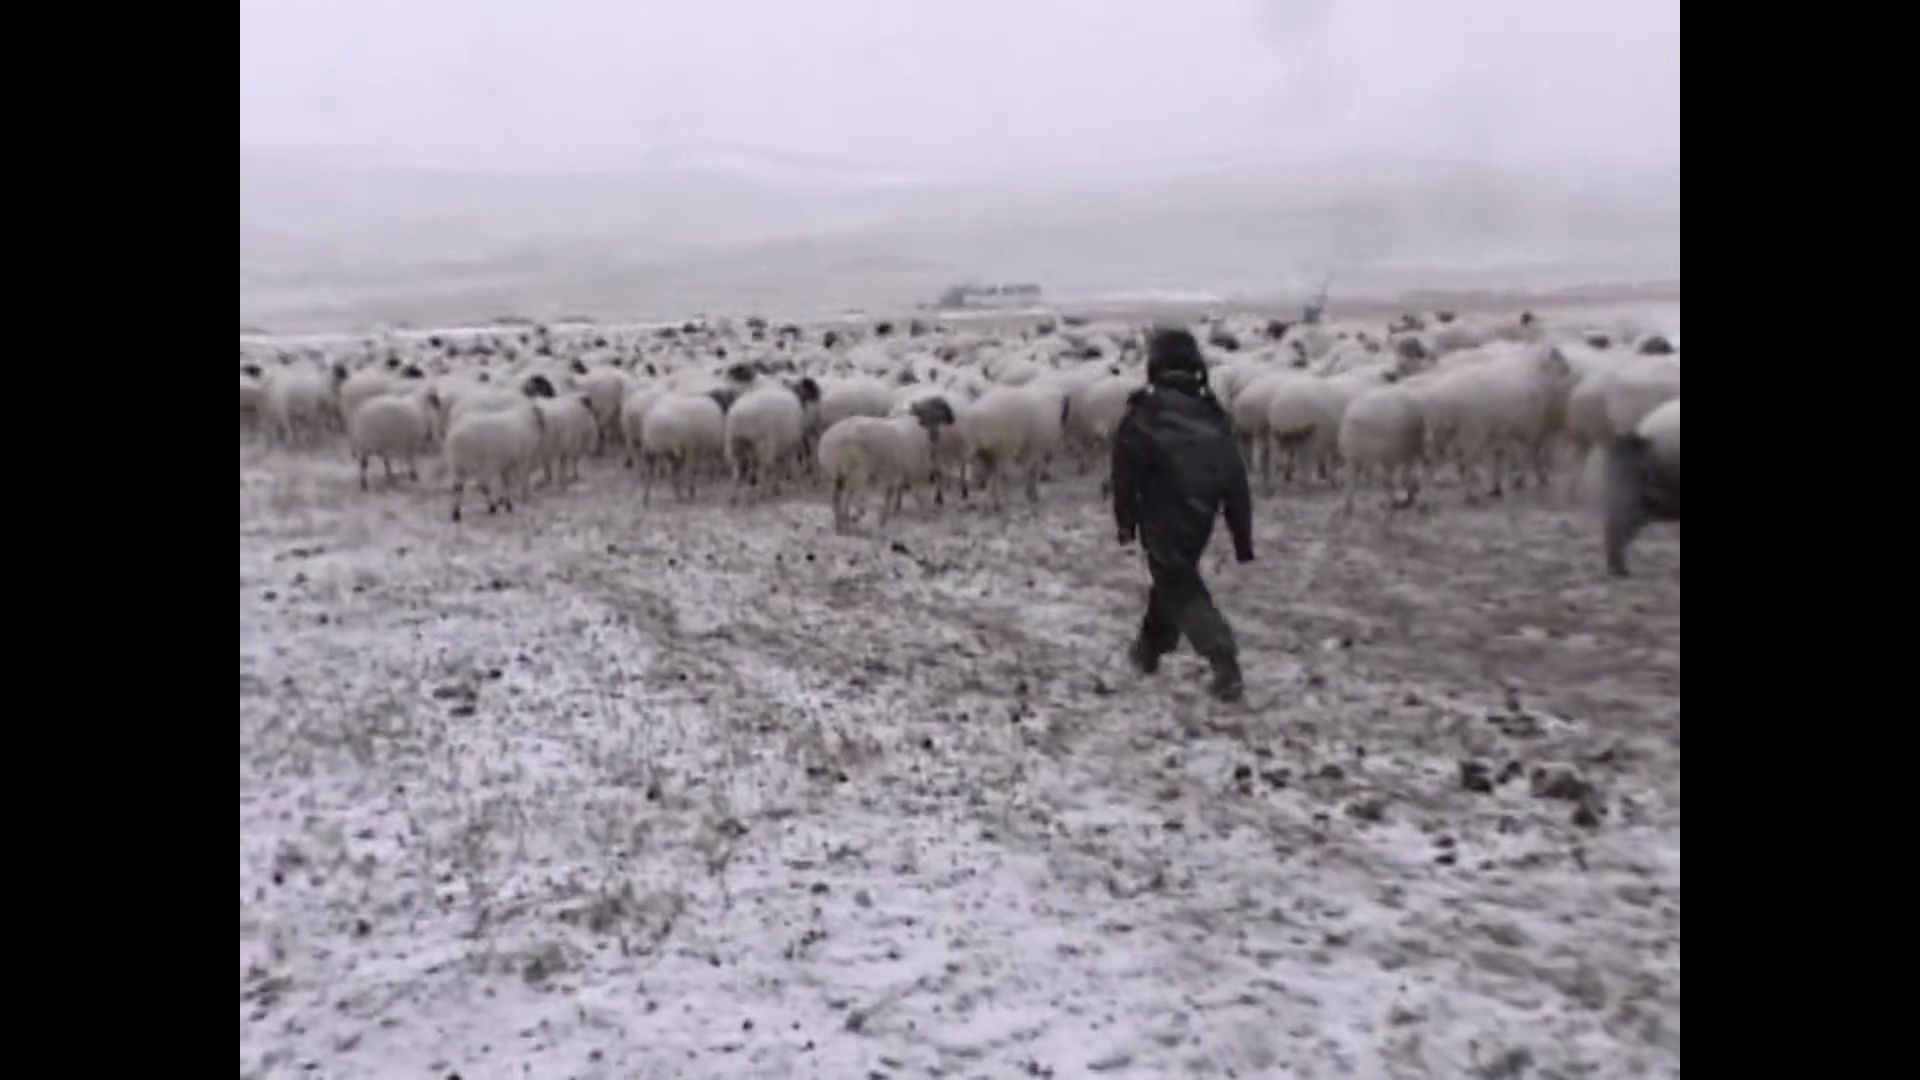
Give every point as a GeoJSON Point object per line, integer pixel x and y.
{"type": "Point", "coordinates": [463, 399]}
{"type": "Point", "coordinates": [1458, 336]}
{"type": "Point", "coordinates": [301, 402]}
{"type": "Point", "coordinates": [686, 432]}
{"type": "Point", "coordinates": [1382, 428]}
{"type": "Point", "coordinates": [1228, 379]}
{"type": "Point", "coordinates": [1643, 481]}
{"type": "Point", "coordinates": [1634, 389]}
{"type": "Point", "coordinates": [1303, 423]}
{"type": "Point", "coordinates": [1083, 433]}
{"type": "Point", "coordinates": [841, 397]}
{"type": "Point", "coordinates": [1013, 428]}
{"type": "Point", "coordinates": [494, 447]}
{"type": "Point", "coordinates": [393, 426]}
{"type": "Point", "coordinates": [892, 453]}
{"type": "Point", "coordinates": [1503, 410]}
{"type": "Point", "coordinates": [1586, 430]}
{"type": "Point", "coordinates": [1100, 407]}
{"type": "Point", "coordinates": [569, 432]}
{"type": "Point", "coordinates": [1250, 414]}
{"type": "Point", "coordinates": [606, 388]}
{"type": "Point", "coordinates": [1013, 369]}
{"type": "Point", "coordinates": [856, 396]}
{"type": "Point", "coordinates": [949, 455]}
{"type": "Point", "coordinates": [363, 386]}
{"type": "Point", "coordinates": [633, 415]}
{"type": "Point", "coordinates": [765, 428]}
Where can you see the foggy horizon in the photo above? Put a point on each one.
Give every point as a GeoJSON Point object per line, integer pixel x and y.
{"type": "Point", "coordinates": [448, 159]}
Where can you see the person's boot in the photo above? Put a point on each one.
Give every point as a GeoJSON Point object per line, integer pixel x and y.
{"type": "Point", "coordinates": [1144, 660]}
{"type": "Point", "coordinates": [1227, 685]}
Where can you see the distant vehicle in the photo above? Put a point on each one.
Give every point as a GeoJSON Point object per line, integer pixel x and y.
{"type": "Point", "coordinates": [1019, 294]}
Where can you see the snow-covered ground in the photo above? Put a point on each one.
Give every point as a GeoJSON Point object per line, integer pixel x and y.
{"type": "Point", "coordinates": [594, 790]}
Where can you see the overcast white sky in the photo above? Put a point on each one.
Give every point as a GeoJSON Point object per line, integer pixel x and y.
{"type": "Point", "coordinates": [959, 88]}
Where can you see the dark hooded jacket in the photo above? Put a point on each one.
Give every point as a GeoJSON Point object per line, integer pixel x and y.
{"type": "Point", "coordinates": [1174, 466]}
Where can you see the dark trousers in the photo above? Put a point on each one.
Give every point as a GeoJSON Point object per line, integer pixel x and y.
{"type": "Point", "coordinates": [1177, 604]}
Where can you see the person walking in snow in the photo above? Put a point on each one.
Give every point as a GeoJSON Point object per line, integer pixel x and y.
{"type": "Point", "coordinates": [1175, 467]}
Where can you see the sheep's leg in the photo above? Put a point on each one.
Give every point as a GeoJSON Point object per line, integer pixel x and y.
{"type": "Point", "coordinates": [386, 463]}
{"type": "Point", "coordinates": [1583, 464]}
{"type": "Point", "coordinates": [1265, 440]}
{"type": "Point", "coordinates": [1544, 460]}
{"type": "Point", "coordinates": [1624, 520]}
{"type": "Point", "coordinates": [487, 494]}
{"type": "Point", "coordinates": [457, 485]}
{"type": "Point", "coordinates": [646, 479]}
{"type": "Point", "coordinates": [365, 459]}
{"type": "Point", "coordinates": [843, 504]}
{"type": "Point", "coordinates": [857, 497]}
{"type": "Point", "coordinates": [1464, 471]}
{"type": "Point", "coordinates": [1408, 479]}
{"type": "Point", "coordinates": [413, 470]}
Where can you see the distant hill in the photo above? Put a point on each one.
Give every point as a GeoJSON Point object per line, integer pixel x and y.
{"type": "Point", "coordinates": [721, 228]}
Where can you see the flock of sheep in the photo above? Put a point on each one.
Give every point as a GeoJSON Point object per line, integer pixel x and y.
{"type": "Point", "coordinates": [927, 409]}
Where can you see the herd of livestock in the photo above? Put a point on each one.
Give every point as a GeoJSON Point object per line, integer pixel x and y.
{"type": "Point", "coordinates": [1493, 405]}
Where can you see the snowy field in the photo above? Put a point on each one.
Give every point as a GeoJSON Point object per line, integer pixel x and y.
{"type": "Point", "coordinates": [600, 791]}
